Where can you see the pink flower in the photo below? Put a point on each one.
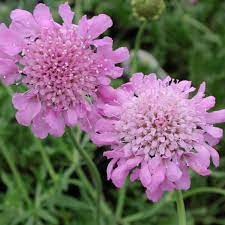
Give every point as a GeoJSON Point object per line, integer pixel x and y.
{"type": "Point", "coordinates": [62, 66]}
{"type": "Point", "coordinates": [194, 1]}
{"type": "Point", "coordinates": [156, 132]}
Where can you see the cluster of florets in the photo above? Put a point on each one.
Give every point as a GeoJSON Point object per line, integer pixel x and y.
{"type": "Point", "coordinates": [157, 132]}
{"type": "Point", "coordinates": [62, 66]}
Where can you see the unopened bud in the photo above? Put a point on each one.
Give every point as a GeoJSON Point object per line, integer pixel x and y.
{"type": "Point", "coordinates": [148, 9]}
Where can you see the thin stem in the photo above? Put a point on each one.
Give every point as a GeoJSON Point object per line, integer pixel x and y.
{"type": "Point", "coordinates": [149, 212]}
{"type": "Point", "coordinates": [120, 202]}
{"type": "Point", "coordinates": [137, 45]}
{"type": "Point", "coordinates": [15, 172]}
{"type": "Point", "coordinates": [78, 9]}
{"type": "Point", "coordinates": [87, 184]}
{"type": "Point", "coordinates": [46, 160]}
{"type": "Point", "coordinates": [93, 171]}
{"type": "Point", "coordinates": [202, 190]}
{"type": "Point", "coordinates": [180, 208]}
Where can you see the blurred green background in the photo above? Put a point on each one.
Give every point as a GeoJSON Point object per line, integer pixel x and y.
{"type": "Point", "coordinates": [188, 42]}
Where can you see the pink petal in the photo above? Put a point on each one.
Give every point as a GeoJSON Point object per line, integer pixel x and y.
{"type": "Point", "coordinates": [116, 72]}
{"type": "Point", "coordinates": [10, 41]}
{"type": "Point", "coordinates": [25, 116]}
{"type": "Point", "coordinates": [184, 182]}
{"type": "Point", "coordinates": [8, 71]}
{"type": "Point", "coordinates": [98, 25]}
{"type": "Point", "coordinates": [23, 22]}
{"type": "Point", "coordinates": [216, 117]}
{"type": "Point", "coordinates": [106, 41]}
{"type": "Point", "coordinates": [110, 168]}
{"type": "Point", "coordinates": [215, 155]}
{"type": "Point", "coordinates": [56, 122]}
{"type": "Point", "coordinates": [145, 176]}
{"type": "Point", "coordinates": [154, 196]}
{"type": "Point", "coordinates": [214, 131]}
{"type": "Point", "coordinates": [39, 127]}
{"type": "Point", "coordinates": [135, 174]}
{"type": "Point", "coordinates": [116, 153]}
{"type": "Point", "coordinates": [211, 140]}
{"type": "Point", "coordinates": [154, 163]}
{"type": "Point", "coordinates": [20, 101]}
{"type": "Point", "coordinates": [200, 161]}
{"type": "Point", "coordinates": [198, 167]}
{"type": "Point", "coordinates": [43, 15]}
{"type": "Point", "coordinates": [106, 138]}
{"type": "Point", "coordinates": [173, 172]}
{"type": "Point", "coordinates": [157, 178]}
{"type": "Point", "coordinates": [208, 103]}
{"type": "Point", "coordinates": [133, 162]}
{"type": "Point", "coordinates": [66, 13]}
{"type": "Point", "coordinates": [120, 55]}
{"type": "Point", "coordinates": [107, 94]}
{"type": "Point", "coordinates": [119, 175]}
{"type": "Point", "coordinates": [83, 26]}
{"type": "Point", "coordinates": [201, 91]}
{"type": "Point", "coordinates": [112, 110]}
{"type": "Point", "coordinates": [70, 117]}
{"type": "Point", "coordinates": [184, 85]}
{"type": "Point", "coordinates": [104, 125]}
{"type": "Point", "coordinates": [137, 79]}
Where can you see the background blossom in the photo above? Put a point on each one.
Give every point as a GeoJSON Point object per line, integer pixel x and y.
{"type": "Point", "coordinates": [156, 132]}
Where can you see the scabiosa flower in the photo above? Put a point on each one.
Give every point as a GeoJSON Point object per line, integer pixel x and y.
{"type": "Point", "coordinates": [157, 132]}
{"type": "Point", "coordinates": [62, 66]}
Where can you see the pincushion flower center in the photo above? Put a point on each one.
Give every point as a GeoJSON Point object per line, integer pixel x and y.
{"type": "Point", "coordinates": [158, 124]}
{"type": "Point", "coordinates": [61, 67]}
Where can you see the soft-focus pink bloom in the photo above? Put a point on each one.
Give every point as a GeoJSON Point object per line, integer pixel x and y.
{"type": "Point", "coordinates": [194, 1]}
{"type": "Point", "coordinates": [62, 66]}
{"type": "Point", "coordinates": [156, 132]}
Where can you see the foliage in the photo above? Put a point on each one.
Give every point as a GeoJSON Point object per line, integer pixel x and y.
{"type": "Point", "coordinates": [47, 182]}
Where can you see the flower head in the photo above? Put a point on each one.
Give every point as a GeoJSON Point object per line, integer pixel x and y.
{"type": "Point", "coordinates": [148, 9]}
{"type": "Point", "coordinates": [157, 132]}
{"type": "Point", "coordinates": [62, 66]}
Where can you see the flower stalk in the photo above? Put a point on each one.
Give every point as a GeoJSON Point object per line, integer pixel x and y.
{"type": "Point", "coordinates": [93, 171]}
{"type": "Point", "coordinates": [180, 208]}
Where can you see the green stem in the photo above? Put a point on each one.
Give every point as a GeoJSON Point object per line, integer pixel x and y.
{"type": "Point", "coordinates": [15, 172]}
{"type": "Point", "coordinates": [93, 171]}
{"type": "Point", "coordinates": [180, 208]}
{"type": "Point", "coordinates": [149, 212]}
{"type": "Point", "coordinates": [78, 9]}
{"type": "Point", "coordinates": [120, 202]}
{"type": "Point", "coordinates": [202, 190]}
{"type": "Point", "coordinates": [137, 46]}
{"type": "Point", "coordinates": [46, 160]}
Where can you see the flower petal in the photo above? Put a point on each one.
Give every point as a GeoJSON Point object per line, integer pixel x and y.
{"type": "Point", "coordinates": [173, 172]}
{"type": "Point", "coordinates": [98, 25]}
{"type": "Point", "coordinates": [145, 176]}
{"type": "Point", "coordinates": [23, 23]}
{"type": "Point", "coordinates": [120, 55]}
{"type": "Point", "coordinates": [43, 15]}
{"type": "Point", "coordinates": [8, 71]}
{"type": "Point", "coordinates": [119, 175]}
{"type": "Point", "coordinates": [110, 168]}
{"type": "Point", "coordinates": [216, 117]}
{"type": "Point", "coordinates": [56, 123]}
{"type": "Point", "coordinates": [30, 111]}
{"type": "Point", "coordinates": [10, 41]}
{"type": "Point", "coordinates": [70, 117]}
{"type": "Point", "coordinates": [66, 13]}
{"type": "Point", "coordinates": [214, 131]}
{"type": "Point", "coordinates": [39, 127]}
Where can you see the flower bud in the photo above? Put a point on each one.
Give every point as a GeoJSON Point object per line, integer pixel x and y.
{"type": "Point", "coordinates": [148, 9]}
